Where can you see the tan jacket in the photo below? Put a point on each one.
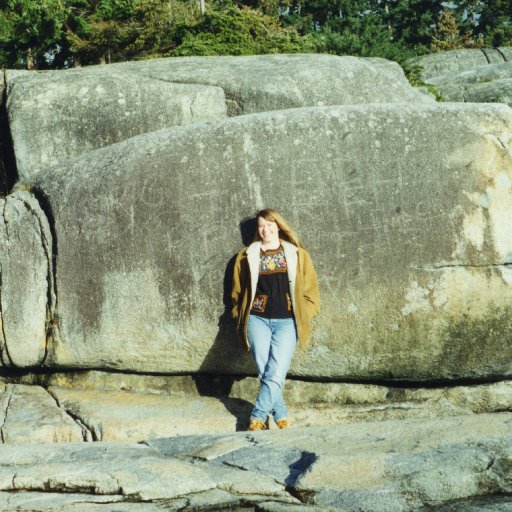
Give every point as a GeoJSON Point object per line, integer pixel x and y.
{"type": "Point", "coordinates": [304, 291]}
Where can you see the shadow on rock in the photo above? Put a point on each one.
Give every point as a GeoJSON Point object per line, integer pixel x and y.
{"type": "Point", "coordinates": [228, 347]}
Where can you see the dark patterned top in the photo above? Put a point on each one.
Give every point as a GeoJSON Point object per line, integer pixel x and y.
{"type": "Point", "coordinates": [272, 299]}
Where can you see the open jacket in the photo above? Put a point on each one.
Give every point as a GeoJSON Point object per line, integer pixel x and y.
{"type": "Point", "coordinates": [303, 282]}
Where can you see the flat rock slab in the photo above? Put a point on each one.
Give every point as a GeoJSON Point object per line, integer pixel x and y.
{"type": "Point", "coordinates": [28, 414]}
{"type": "Point", "coordinates": [390, 466]}
{"type": "Point", "coordinates": [58, 115]}
{"type": "Point", "coordinates": [126, 416]}
{"type": "Point", "coordinates": [135, 473]}
{"type": "Point", "coordinates": [411, 289]}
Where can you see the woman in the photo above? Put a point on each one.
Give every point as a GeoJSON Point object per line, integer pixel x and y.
{"type": "Point", "coordinates": [275, 295]}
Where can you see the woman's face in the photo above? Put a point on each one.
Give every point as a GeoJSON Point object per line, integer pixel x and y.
{"type": "Point", "coordinates": [268, 230]}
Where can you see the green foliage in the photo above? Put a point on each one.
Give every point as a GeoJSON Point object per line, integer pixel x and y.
{"type": "Point", "coordinates": [366, 36]}
{"type": "Point", "coordinates": [61, 33]}
{"type": "Point", "coordinates": [236, 31]}
{"type": "Point", "coordinates": [448, 36]}
{"type": "Point", "coordinates": [28, 30]}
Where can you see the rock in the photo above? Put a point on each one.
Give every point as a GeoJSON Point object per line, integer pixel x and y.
{"type": "Point", "coordinates": [392, 466]}
{"type": "Point", "coordinates": [481, 74]}
{"type": "Point", "coordinates": [397, 465]}
{"type": "Point", "coordinates": [26, 285]}
{"type": "Point", "coordinates": [480, 504]}
{"type": "Point", "coordinates": [499, 91]}
{"type": "Point", "coordinates": [28, 414]}
{"type": "Point", "coordinates": [128, 416]}
{"type": "Point", "coordinates": [415, 289]}
{"type": "Point", "coordinates": [133, 473]}
{"type": "Point", "coordinates": [436, 64]}
{"type": "Point", "coordinates": [489, 83]}
{"type": "Point", "coordinates": [58, 115]}
{"type": "Point", "coordinates": [259, 83]}
{"type": "Point", "coordinates": [118, 415]}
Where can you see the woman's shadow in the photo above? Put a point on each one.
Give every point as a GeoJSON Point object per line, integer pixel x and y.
{"type": "Point", "coordinates": [227, 347]}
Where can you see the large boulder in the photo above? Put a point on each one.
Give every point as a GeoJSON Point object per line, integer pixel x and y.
{"type": "Point", "coordinates": [259, 83]}
{"type": "Point", "coordinates": [26, 284]}
{"type": "Point", "coordinates": [58, 115]}
{"type": "Point", "coordinates": [404, 209]}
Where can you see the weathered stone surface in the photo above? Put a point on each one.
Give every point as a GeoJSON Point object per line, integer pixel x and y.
{"type": "Point", "coordinates": [26, 284]}
{"type": "Point", "coordinates": [28, 414]}
{"type": "Point", "coordinates": [136, 473]}
{"type": "Point", "coordinates": [111, 414]}
{"type": "Point", "coordinates": [436, 64]}
{"type": "Point", "coordinates": [480, 74]}
{"type": "Point", "coordinates": [260, 83]}
{"type": "Point", "coordinates": [392, 466]}
{"type": "Point", "coordinates": [57, 115]}
{"type": "Point", "coordinates": [411, 289]}
{"type": "Point", "coordinates": [483, 504]}
{"type": "Point", "coordinates": [491, 83]}
{"type": "Point", "coordinates": [128, 416]}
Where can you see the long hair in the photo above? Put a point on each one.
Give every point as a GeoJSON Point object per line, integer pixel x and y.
{"type": "Point", "coordinates": [285, 231]}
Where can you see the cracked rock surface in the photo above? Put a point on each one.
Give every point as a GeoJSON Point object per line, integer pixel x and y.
{"type": "Point", "coordinates": [387, 466]}
{"type": "Point", "coordinates": [28, 414]}
{"type": "Point", "coordinates": [32, 414]}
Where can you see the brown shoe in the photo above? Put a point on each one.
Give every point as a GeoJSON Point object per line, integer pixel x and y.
{"type": "Point", "coordinates": [257, 425]}
{"type": "Point", "coordinates": [284, 423]}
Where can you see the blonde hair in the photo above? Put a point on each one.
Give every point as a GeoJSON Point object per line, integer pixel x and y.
{"type": "Point", "coordinates": [285, 231]}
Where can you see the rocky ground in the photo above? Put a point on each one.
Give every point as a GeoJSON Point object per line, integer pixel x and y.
{"type": "Point", "coordinates": [352, 447]}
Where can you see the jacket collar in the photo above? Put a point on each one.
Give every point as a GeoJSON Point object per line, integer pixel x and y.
{"type": "Point", "coordinates": [253, 258]}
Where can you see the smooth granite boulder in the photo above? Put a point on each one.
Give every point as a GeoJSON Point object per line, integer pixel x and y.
{"type": "Point", "coordinates": [435, 64]}
{"type": "Point", "coordinates": [26, 280]}
{"type": "Point", "coordinates": [259, 83]}
{"type": "Point", "coordinates": [58, 115]}
{"type": "Point", "coordinates": [405, 210]}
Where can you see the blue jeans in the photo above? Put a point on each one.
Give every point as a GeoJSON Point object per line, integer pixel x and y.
{"type": "Point", "coordinates": [272, 342]}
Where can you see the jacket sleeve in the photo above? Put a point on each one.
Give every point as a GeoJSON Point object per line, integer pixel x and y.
{"type": "Point", "coordinates": [311, 291]}
{"type": "Point", "coordinates": [237, 286]}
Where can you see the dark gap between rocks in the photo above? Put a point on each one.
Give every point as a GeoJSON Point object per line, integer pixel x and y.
{"type": "Point", "coordinates": [52, 321]}
{"type": "Point", "coordinates": [8, 170]}
{"type": "Point", "coordinates": [219, 385]}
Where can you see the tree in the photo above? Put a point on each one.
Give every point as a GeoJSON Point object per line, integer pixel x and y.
{"type": "Point", "coordinates": [236, 31]}
{"type": "Point", "coordinates": [99, 30]}
{"type": "Point", "coordinates": [448, 36]}
{"type": "Point", "coordinates": [30, 32]}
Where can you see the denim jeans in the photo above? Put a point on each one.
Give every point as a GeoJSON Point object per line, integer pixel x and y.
{"type": "Point", "coordinates": [272, 342]}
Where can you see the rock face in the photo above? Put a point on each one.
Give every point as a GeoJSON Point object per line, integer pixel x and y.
{"type": "Point", "coordinates": [26, 294]}
{"type": "Point", "coordinates": [412, 287]}
{"type": "Point", "coordinates": [54, 116]}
